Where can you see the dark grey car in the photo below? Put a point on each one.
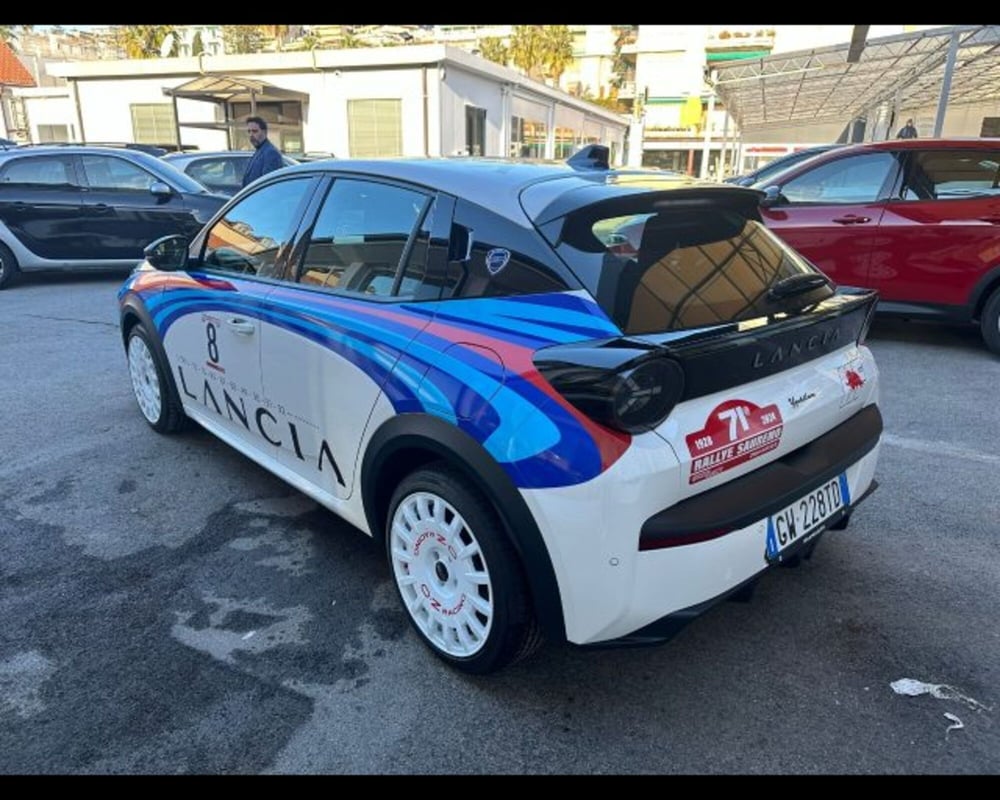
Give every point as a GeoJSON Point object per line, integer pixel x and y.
{"type": "Point", "coordinates": [69, 207]}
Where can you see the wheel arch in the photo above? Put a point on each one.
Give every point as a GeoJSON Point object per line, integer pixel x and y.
{"type": "Point", "coordinates": [983, 290]}
{"type": "Point", "coordinates": [133, 313]}
{"type": "Point", "coordinates": [409, 441]}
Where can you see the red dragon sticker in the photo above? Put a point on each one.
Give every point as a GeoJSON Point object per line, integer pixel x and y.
{"type": "Point", "coordinates": [735, 432]}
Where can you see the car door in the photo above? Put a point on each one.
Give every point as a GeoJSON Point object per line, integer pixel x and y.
{"type": "Point", "coordinates": [941, 232]}
{"type": "Point", "coordinates": [122, 213]}
{"type": "Point", "coordinates": [217, 312]}
{"type": "Point", "coordinates": [830, 212]}
{"type": "Point", "coordinates": [41, 204]}
{"type": "Point", "coordinates": [341, 326]}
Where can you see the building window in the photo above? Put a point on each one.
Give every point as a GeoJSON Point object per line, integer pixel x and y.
{"type": "Point", "coordinates": [991, 127]}
{"type": "Point", "coordinates": [53, 133]}
{"type": "Point", "coordinates": [153, 123]}
{"type": "Point", "coordinates": [375, 128]}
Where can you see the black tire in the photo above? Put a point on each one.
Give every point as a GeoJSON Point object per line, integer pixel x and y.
{"type": "Point", "coordinates": [9, 268]}
{"type": "Point", "coordinates": [155, 393]}
{"type": "Point", "coordinates": [989, 322]}
{"type": "Point", "coordinates": [440, 530]}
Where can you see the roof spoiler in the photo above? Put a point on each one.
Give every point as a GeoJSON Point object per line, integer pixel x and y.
{"type": "Point", "coordinates": [591, 156]}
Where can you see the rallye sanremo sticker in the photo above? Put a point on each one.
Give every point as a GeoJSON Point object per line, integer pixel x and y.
{"type": "Point", "coordinates": [735, 432]}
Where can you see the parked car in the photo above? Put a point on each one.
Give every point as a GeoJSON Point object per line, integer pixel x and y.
{"type": "Point", "coordinates": [220, 170]}
{"type": "Point", "coordinates": [76, 208]}
{"type": "Point", "coordinates": [550, 440]}
{"type": "Point", "coordinates": [918, 220]}
{"type": "Point", "coordinates": [776, 165]}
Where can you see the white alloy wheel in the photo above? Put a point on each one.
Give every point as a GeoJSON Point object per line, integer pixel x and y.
{"type": "Point", "coordinates": [442, 574]}
{"type": "Point", "coordinates": [145, 379]}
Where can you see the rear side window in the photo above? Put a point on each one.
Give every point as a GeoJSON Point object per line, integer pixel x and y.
{"type": "Point", "coordinates": [40, 170]}
{"type": "Point", "coordinates": [494, 257]}
{"type": "Point", "coordinates": [942, 174]}
{"type": "Point", "coordinates": [664, 271]}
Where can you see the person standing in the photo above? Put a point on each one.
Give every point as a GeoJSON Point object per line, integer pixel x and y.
{"type": "Point", "coordinates": [908, 131]}
{"type": "Point", "coordinates": [266, 157]}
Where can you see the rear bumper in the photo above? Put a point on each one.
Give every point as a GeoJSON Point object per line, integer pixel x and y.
{"type": "Point", "coordinates": [667, 627]}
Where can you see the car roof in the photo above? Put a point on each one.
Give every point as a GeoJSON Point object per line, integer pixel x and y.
{"type": "Point", "coordinates": [499, 182]}
{"type": "Point", "coordinates": [189, 154]}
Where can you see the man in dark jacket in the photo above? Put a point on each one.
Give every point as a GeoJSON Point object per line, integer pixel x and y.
{"type": "Point", "coordinates": [266, 157]}
{"type": "Point", "coordinates": [908, 131]}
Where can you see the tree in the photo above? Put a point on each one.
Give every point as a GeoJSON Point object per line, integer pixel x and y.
{"type": "Point", "coordinates": [558, 50]}
{"type": "Point", "coordinates": [197, 45]}
{"type": "Point", "coordinates": [527, 43]}
{"type": "Point", "coordinates": [8, 34]}
{"type": "Point", "coordinates": [145, 41]}
{"type": "Point", "coordinates": [493, 49]}
{"type": "Point", "coordinates": [541, 50]}
{"type": "Point", "coordinates": [241, 38]}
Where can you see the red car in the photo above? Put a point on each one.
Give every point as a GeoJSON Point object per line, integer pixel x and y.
{"type": "Point", "coordinates": [916, 219]}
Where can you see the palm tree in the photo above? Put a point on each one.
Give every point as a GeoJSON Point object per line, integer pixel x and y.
{"type": "Point", "coordinates": [493, 49]}
{"type": "Point", "coordinates": [557, 43]}
{"type": "Point", "coordinates": [527, 45]}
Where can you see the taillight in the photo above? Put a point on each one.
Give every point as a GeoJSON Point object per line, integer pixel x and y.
{"type": "Point", "coordinates": [634, 397]}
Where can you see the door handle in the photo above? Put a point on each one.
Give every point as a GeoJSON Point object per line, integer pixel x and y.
{"type": "Point", "coordinates": [852, 219]}
{"type": "Point", "coordinates": [102, 208]}
{"type": "Point", "coordinates": [241, 326]}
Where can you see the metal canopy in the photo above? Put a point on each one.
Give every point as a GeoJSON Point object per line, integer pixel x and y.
{"type": "Point", "coordinates": [229, 89]}
{"type": "Point", "coordinates": [822, 85]}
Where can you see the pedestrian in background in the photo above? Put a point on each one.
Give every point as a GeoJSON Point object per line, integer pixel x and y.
{"type": "Point", "coordinates": [908, 131]}
{"type": "Point", "coordinates": [266, 157]}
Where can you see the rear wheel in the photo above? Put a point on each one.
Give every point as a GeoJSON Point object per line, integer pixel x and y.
{"type": "Point", "coordinates": [457, 574]}
{"type": "Point", "coordinates": [8, 267]}
{"type": "Point", "coordinates": [154, 393]}
{"type": "Point", "coordinates": [989, 322]}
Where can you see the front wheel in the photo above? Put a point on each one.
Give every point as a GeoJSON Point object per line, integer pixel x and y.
{"type": "Point", "coordinates": [989, 322]}
{"type": "Point", "coordinates": [457, 574]}
{"type": "Point", "coordinates": [151, 385]}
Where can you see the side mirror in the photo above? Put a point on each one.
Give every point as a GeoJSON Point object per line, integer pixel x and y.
{"type": "Point", "coordinates": [169, 253]}
{"type": "Point", "coordinates": [772, 196]}
{"type": "Point", "coordinates": [160, 189]}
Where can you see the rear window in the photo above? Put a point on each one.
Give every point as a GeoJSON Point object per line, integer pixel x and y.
{"type": "Point", "coordinates": [661, 271]}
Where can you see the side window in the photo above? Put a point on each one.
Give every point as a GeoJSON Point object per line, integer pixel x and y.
{"type": "Point", "coordinates": [493, 257]}
{"type": "Point", "coordinates": [858, 179]}
{"type": "Point", "coordinates": [361, 235]}
{"type": "Point", "coordinates": [250, 237]}
{"type": "Point", "coordinates": [108, 172]}
{"type": "Point", "coordinates": [39, 170]}
{"type": "Point", "coordinates": [218, 172]}
{"type": "Point", "coordinates": [943, 174]}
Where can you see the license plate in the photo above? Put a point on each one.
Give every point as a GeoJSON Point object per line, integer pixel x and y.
{"type": "Point", "coordinates": [805, 517]}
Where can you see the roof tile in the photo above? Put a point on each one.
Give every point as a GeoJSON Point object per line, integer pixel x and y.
{"type": "Point", "coordinates": [12, 71]}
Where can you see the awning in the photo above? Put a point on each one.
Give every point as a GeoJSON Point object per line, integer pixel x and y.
{"type": "Point", "coordinates": [820, 85]}
{"type": "Point", "coordinates": [230, 89]}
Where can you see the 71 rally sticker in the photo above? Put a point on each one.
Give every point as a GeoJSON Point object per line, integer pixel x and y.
{"type": "Point", "coordinates": [735, 432]}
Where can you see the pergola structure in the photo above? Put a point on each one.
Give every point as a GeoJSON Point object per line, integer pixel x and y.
{"type": "Point", "coordinates": [956, 64]}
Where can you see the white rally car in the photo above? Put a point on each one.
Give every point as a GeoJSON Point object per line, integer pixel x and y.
{"type": "Point", "coordinates": [554, 434]}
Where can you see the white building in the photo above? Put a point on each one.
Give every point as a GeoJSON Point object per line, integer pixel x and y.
{"type": "Point", "coordinates": [419, 100]}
